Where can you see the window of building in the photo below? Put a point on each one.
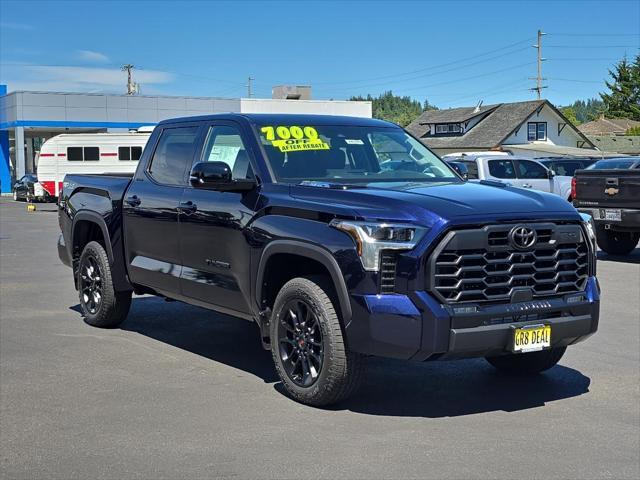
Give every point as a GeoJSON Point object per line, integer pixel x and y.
{"type": "Point", "coordinates": [448, 128]}
{"type": "Point", "coordinates": [536, 131]}
{"type": "Point", "coordinates": [129, 153]}
{"type": "Point", "coordinates": [502, 169]}
{"type": "Point", "coordinates": [83, 154]}
{"type": "Point", "coordinates": [173, 155]}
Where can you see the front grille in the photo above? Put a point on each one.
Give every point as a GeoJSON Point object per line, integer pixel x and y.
{"type": "Point", "coordinates": [387, 272]}
{"type": "Point", "coordinates": [480, 265]}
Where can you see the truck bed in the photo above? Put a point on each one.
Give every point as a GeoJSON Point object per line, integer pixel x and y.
{"type": "Point", "coordinates": [608, 188]}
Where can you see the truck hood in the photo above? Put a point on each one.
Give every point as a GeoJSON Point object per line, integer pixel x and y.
{"type": "Point", "coordinates": [426, 203]}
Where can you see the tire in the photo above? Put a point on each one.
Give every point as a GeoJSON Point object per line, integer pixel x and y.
{"type": "Point", "coordinates": [320, 333]}
{"type": "Point", "coordinates": [528, 363]}
{"type": "Point", "coordinates": [616, 243]}
{"type": "Point", "coordinates": [15, 196]}
{"type": "Point", "coordinates": [109, 308]}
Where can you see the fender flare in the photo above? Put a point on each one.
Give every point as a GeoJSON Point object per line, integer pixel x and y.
{"type": "Point", "coordinates": [313, 252]}
{"type": "Point", "coordinates": [97, 219]}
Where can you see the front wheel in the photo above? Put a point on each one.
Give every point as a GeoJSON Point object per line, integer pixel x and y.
{"type": "Point", "coordinates": [101, 305]}
{"type": "Point", "coordinates": [308, 346]}
{"type": "Point", "coordinates": [528, 363]}
{"type": "Point", "coordinates": [616, 243]}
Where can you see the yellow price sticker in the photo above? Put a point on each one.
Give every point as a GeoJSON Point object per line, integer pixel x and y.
{"type": "Point", "coordinates": [293, 138]}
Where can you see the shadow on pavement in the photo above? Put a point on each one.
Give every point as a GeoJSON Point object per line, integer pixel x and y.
{"type": "Point", "coordinates": [391, 387]}
{"type": "Point", "coordinates": [633, 257]}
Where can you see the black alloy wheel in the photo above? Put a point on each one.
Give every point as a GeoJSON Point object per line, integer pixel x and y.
{"type": "Point", "coordinates": [300, 343]}
{"type": "Point", "coordinates": [91, 286]}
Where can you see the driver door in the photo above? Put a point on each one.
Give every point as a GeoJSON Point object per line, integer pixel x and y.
{"type": "Point", "coordinates": [533, 175]}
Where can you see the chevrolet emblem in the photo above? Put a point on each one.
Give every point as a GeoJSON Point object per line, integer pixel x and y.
{"type": "Point", "coordinates": [611, 191]}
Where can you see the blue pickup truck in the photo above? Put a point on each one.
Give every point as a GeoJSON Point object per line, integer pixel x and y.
{"type": "Point", "coordinates": [340, 238]}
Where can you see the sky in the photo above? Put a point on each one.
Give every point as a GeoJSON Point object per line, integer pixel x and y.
{"type": "Point", "coordinates": [452, 53]}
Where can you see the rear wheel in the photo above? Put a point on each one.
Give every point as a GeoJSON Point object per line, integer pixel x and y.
{"type": "Point", "coordinates": [616, 243]}
{"type": "Point", "coordinates": [15, 196]}
{"type": "Point", "coordinates": [529, 363]}
{"type": "Point", "coordinates": [308, 346]}
{"type": "Point", "coordinates": [101, 305]}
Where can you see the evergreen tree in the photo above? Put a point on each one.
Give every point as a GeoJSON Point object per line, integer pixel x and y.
{"type": "Point", "coordinates": [396, 109]}
{"type": "Point", "coordinates": [623, 99]}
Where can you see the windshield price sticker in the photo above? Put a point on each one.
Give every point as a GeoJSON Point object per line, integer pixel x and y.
{"type": "Point", "coordinates": [294, 138]}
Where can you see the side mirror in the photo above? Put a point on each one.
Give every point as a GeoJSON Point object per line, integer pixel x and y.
{"type": "Point", "coordinates": [210, 174]}
{"type": "Point", "coordinates": [551, 174]}
{"type": "Point", "coordinates": [217, 176]}
{"type": "Point", "coordinates": [461, 169]}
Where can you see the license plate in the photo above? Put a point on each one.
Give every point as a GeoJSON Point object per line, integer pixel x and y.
{"type": "Point", "coordinates": [532, 338]}
{"type": "Point", "coordinates": [613, 215]}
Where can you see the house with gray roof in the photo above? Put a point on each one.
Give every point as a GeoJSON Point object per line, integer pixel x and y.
{"type": "Point", "coordinates": [534, 128]}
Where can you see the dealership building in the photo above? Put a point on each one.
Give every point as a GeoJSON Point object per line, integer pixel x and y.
{"type": "Point", "coordinates": [27, 119]}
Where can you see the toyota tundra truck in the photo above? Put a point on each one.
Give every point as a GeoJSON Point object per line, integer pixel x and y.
{"type": "Point", "coordinates": [340, 238]}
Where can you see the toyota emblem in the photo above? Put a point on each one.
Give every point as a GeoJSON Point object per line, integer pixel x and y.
{"type": "Point", "coordinates": [522, 237]}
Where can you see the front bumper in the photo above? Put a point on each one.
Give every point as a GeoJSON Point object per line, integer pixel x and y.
{"type": "Point", "coordinates": [418, 327]}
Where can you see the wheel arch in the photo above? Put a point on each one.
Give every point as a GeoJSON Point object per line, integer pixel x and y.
{"type": "Point", "coordinates": [310, 252]}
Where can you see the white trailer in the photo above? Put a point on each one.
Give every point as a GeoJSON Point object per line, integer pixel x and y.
{"type": "Point", "coordinates": [88, 153]}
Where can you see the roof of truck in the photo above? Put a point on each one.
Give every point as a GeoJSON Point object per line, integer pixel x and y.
{"type": "Point", "coordinates": [288, 118]}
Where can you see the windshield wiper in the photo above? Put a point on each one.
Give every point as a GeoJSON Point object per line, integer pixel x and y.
{"type": "Point", "coordinates": [335, 185]}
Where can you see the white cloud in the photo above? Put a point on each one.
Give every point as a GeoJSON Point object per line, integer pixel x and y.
{"type": "Point", "coordinates": [91, 56]}
{"type": "Point", "coordinates": [77, 79]}
{"type": "Point", "coordinates": [16, 26]}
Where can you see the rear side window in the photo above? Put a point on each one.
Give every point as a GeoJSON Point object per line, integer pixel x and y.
{"type": "Point", "coordinates": [83, 154]}
{"type": "Point", "coordinates": [173, 155]}
{"type": "Point", "coordinates": [129, 153]}
{"type": "Point", "coordinates": [531, 170]}
{"type": "Point", "coordinates": [502, 169]}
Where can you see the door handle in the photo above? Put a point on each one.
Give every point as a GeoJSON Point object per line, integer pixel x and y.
{"type": "Point", "coordinates": [133, 200]}
{"type": "Point", "coordinates": [526, 185]}
{"type": "Point", "coordinates": [187, 207]}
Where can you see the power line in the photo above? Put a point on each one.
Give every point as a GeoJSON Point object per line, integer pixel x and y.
{"type": "Point", "coordinates": [595, 34]}
{"type": "Point", "coordinates": [576, 80]}
{"type": "Point", "coordinates": [593, 46]}
{"type": "Point", "coordinates": [432, 67]}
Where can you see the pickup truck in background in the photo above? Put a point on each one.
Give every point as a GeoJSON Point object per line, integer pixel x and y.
{"type": "Point", "coordinates": [517, 171]}
{"type": "Point", "coordinates": [609, 191]}
{"type": "Point", "coordinates": [339, 237]}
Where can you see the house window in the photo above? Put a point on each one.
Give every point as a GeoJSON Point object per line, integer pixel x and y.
{"type": "Point", "coordinates": [129, 153]}
{"type": "Point", "coordinates": [536, 131]}
{"type": "Point", "coordinates": [86, 154]}
{"type": "Point", "coordinates": [448, 128]}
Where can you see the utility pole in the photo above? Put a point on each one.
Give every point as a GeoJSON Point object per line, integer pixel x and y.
{"type": "Point", "coordinates": [538, 88]}
{"type": "Point", "coordinates": [132, 87]}
{"type": "Point", "coordinates": [249, 80]}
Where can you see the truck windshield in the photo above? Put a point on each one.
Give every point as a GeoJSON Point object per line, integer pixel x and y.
{"type": "Point", "coordinates": [349, 154]}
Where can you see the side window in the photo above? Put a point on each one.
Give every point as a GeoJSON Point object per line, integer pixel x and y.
{"type": "Point", "coordinates": [502, 169]}
{"type": "Point", "coordinates": [531, 170]}
{"type": "Point", "coordinates": [224, 144]}
{"type": "Point", "coordinates": [74, 154]}
{"type": "Point", "coordinates": [173, 155]}
{"type": "Point", "coordinates": [86, 154]}
{"type": "Point", "coordinates": [129, 153]}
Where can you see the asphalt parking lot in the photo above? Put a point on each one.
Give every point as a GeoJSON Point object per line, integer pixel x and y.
{"type": "Point", "coordinates": [181, 392]}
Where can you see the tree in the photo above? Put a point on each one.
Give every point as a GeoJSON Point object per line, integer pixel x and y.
{"type": "Point", "coordinates": [623, 99]}
{"type": "Point", "coordinates": [570, 113]}
{"type": "Point", "coordinates": [396, 109]}
{"type": "Point", "coordinates": [633, 131]}
{"type": "Point", "coordinates": [584, 111]}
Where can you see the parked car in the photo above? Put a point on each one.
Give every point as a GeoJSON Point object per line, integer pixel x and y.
{"type": "Point", "coordinates": [519, 172]}
{"type": "Point", "coordinates": [289, 221]}
{"type": "Point", "coordinates": [27, 188]}
{"type": "Point", "coordinates": [609, 191]}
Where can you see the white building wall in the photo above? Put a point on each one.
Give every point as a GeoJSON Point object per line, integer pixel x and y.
{"type": "Point", "coordinates": [320, 107]}
{"type": "Point", "coordinates": [567, 138]}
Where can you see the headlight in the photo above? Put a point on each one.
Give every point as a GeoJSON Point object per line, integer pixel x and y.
{"type": "Point", "coordinates": [371, 238]}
